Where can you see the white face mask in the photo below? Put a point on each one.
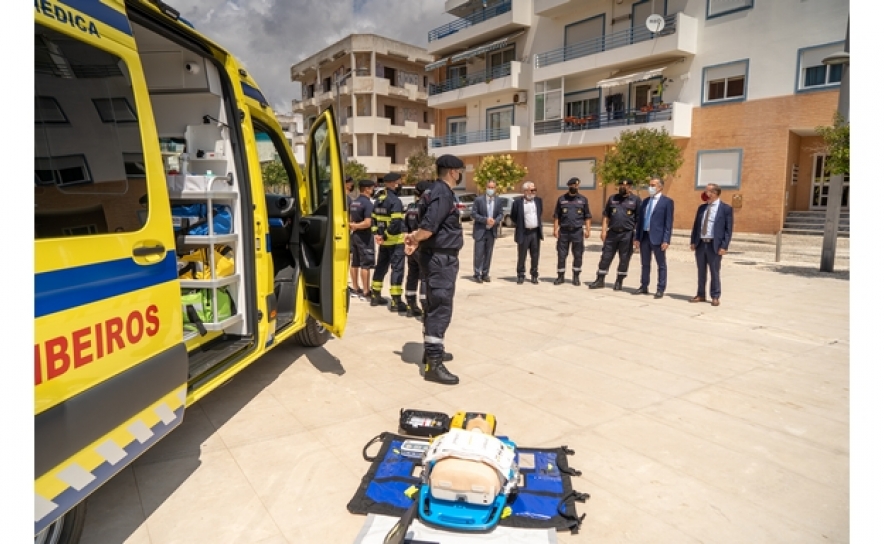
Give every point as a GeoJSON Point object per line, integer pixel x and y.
{"type": "Point", "coordinates": [652, 191]}
{"type": "Point", "coordinates": [489, 192]}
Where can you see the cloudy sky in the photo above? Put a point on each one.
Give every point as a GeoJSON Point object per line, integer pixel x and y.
{"type": "Point", "coordinates": [268, 36]}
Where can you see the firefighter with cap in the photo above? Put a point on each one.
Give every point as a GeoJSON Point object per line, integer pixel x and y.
{"type": "Point", "coordinates": [439, 239]}
{"type": "Point", "coordinates": [412, 223]}
{"type": "Point", "coordinates": [618, 230]}
{"type": "Point", "coordinates": [571, 225]}
{"type": "Point", "coordinates": [387, 224]}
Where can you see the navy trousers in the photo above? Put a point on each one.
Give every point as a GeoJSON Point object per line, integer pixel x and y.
{"type": "Point", "coordinates": [647, 249]}
{"type": "Point", "coordinates": [570, 239]}
{"type": "Point", "coordinates": [707, 258]}
{"type": "Point", "coordinates": [441, 273]}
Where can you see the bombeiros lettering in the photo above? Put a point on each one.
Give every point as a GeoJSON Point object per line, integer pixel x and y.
{"type": "Point", "coordinates": [66, 16]}
{"type": "Point", "coordinates": [78, 348]}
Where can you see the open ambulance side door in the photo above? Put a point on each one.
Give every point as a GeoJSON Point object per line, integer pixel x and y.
{"type": "Point", "coordinates": [324, 232]}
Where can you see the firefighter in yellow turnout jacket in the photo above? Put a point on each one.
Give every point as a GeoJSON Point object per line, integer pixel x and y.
{"type": "Point", "coordinates": [387, 224]}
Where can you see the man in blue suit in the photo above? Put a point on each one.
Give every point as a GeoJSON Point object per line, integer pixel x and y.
{"type": "Point", "coordinates": [710, 239]}
{"type": "Point", "coordinates": [653, 232]}
{"type": "Point", "coordinates": [487, 214]}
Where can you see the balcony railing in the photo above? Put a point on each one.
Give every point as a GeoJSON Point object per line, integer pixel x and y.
{"type": "Point", "coordinates": [475, 18]}
{"type": "Point", "coordinates": [622, 38]}
{"type": "Point", "coordinates": [473, 79]}
{"type": "Point", "coordinates": [604, 120]}
{"type": "Point", "coordinates": [463, 138]}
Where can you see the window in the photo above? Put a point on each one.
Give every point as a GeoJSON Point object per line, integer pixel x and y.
{"type": "Point", "coordinates": [721, 166]}
{"type": "Point", "coordinates": [581, 169]}
{"type": "Point", "coordinates": [390, 151]}
{"type": "Point", "coordinates": [548, 100]}
{"type": "Point", "coordinates": [308, 92]}
{"type": "Point", "coordinates": [426, 82]}
{"type": "Point", "coordinates": [457, 72]}
{"type": "Point", "coordinates": [426, 117]}
{"type": "Point", "coordinates": [725, 82]}
{"type": "Point", "coordinates": [326, 85]}
{"type": "Point", "coordinates": [498, 64]}
{"type": "Point", "coordinates": [812, 73]}
{"type": "Point", "coordinates": [583, 103]}
{"type": "Point", "coordinates": [457, 130]}
{"type": "Point", "coordinates": [89, 171]}
{"type": "Point", "coordinates": [48, 111]}
{"type": "Point", "coordinates": [717, 8]}
{"type": "Point", "coordinates": [114, 110]}
{"type": "Point", "coordinates": [498, 122]}
{"type": "Point", "coordinates": [577, 36]}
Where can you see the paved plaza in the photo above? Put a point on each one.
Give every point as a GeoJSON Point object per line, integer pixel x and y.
{"type": "Point", "coordinates": [691, 423]}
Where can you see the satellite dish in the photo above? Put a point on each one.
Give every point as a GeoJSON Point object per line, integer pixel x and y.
{"type": "Point", "coordinates": [655, 23]}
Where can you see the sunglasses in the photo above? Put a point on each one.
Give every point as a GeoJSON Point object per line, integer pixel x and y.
{"type": "Point", "coordinates": [531, 190]}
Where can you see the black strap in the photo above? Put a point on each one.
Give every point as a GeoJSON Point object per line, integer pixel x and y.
{"type": "Point", "coordinates": [573, 520]}
{"type": "Point", "coordinates": [365, 456]}
{"type": "Point", "coordinates": [195, 319]}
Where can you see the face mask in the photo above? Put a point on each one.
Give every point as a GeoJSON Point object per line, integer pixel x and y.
{"type": "Point", "coordinates": [459, 177]}
{"type": "Point", "coordinates": [652, 191]}
{"type": "Point", "coordinates": [396, 189]}
{"type": "Point", "coordinates": [489, 192]}
{"type": "Point", "coordinates": [572, 190]}
{"type": "Point", "coordinates": [623, 191]}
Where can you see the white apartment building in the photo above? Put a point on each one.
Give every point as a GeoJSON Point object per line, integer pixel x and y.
{"type": "Point", "coordinates": [293, 126]}
{"type": "Point", "coordinates": [378, 88]}
{"type": "Point", "coordinates": [739, 83]}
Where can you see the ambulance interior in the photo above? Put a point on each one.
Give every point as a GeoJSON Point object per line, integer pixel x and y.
{"type": "Point", "coordinates": [91, 179]}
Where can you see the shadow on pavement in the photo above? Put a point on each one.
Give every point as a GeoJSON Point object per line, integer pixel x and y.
{"type": "Point", "coordinates": [412, 353]}
{"type": "Point", "coordinates": [324, 361]}
{"type": "Point", "coordinates": [808, 272]}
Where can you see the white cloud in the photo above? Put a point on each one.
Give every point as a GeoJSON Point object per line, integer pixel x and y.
{"type": "Point", "coordinates": [268, 36]}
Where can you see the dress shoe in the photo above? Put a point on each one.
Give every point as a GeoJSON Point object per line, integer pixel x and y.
{"type": "Point", "coordinates": [520, 280]}
{"type": "Point", "coordinates": [477, 279]}
{"type": "Point", "coordinates": [715, 302]}
{"type": "Point", "coordinates": [658, 294]}
{"type": "Point", "coordinates": [641, 291]}
{"type": "Point", "coordinates": [698, 298]}
{"type": "Point", "coordinates": [534, 280]}
{"type": "Point", "coordinates": [486, 279]}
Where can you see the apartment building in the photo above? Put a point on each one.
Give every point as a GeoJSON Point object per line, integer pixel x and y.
{"type": "Point", "coordinates": [293, 128]}
{"type": "Point", "coordinates": [379, 89]}
{"type": "Point", "coordinates": [740, 84]}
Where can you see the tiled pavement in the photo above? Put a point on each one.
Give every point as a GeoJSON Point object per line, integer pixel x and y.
{"type": "Point", "coordinates": [690, 423]}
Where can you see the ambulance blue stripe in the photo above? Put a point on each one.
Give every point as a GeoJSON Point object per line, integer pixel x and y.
{"type": "Point", "coordinates": [70, 497]}
{"type": "Point", "coordinates": [92, 8]}
{"type": "Point", "coordinates": [71, 287]}
{"type": "Point", "coordinates": [252, 92]}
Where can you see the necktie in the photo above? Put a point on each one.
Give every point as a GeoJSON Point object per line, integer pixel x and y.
{"type": "Point", "coordinates": [703, 233]}
{"type": "Point", "coordinates": [648, 214]}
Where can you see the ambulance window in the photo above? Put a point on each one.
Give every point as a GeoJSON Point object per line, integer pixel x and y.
{"type": "Point", "coordinates": [320, 174]}
{"type": "Point", "coordinates": [89, 171]}
{"type": "Point", "coordinates": [276, 169]}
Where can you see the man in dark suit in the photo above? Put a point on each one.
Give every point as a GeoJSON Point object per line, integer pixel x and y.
{"type": "Point", "coordinates": [653, 233]}
{"type": "Point", "coordinates": [526, 214]}
{"type": "Point", "coordinates": [710, 239]}
{"type": "Point", "coordinates": [487, 214]}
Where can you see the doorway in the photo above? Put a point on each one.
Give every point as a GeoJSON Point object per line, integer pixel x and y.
{"type": "Point", "coordinates": [819, 188]}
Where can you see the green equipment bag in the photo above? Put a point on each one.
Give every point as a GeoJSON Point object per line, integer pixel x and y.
{"type": "Point", "coordinates": [197, 304]}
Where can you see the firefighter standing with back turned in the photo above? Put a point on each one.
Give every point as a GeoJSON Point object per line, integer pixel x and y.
{"type": "Point", "coordinates": [387, 224]}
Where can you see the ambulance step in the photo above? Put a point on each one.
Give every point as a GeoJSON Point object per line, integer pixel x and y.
{"type": "Point", "coordinates": [216, 352]}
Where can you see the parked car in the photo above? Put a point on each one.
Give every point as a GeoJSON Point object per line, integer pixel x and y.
{"type": "Point", "coordinates": [508, 199]}
{"type": "Point", "coordinates": [464, 203]}
{"type": "Point", "coordinates": [407, 194]}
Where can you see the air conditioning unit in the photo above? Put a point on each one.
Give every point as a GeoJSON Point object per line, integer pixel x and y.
{"type": "Point", "coordinates": [520, 97]}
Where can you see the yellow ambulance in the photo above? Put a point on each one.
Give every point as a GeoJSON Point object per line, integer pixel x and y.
{"type": "Point", "coordinates": [162, 268]}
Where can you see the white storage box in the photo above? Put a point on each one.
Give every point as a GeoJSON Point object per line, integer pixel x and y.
{"type": "Point", "coordinates": [179, 183]}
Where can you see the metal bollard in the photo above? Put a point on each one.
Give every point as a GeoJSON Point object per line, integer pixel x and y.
{"type": "Point", "coordinates": [779, 245]}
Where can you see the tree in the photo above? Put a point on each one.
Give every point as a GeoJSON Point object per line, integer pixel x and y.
{"type": "Point", "coordinates": [836, 142]}
{"type": "Point", "coordinates": [356, 170]}
{"type": "Point", "coordinates": [421, 166]}
{"type": "Point", "coordinates": [640, 155]}
{"type": "Point", "coordinates": [502, 169]}
{"type": "Point", "coordinates": [276, 179]}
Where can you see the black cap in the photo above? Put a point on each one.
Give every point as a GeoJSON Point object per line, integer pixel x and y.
{"type": "Point", "coordinates": [422, 186]}
{"type": "Point", "coordinates": [626, 182]}
{"type": "Point", "coordinates": [573, 181]}
{"type": "Point", "coordinates": [449, 161]}
{"type": "Point", "coordinates": [348, 179]}
{"type": "Point", "coordinates": [392, 176]}
{"type": "Point", "coordinates": [366, 183]}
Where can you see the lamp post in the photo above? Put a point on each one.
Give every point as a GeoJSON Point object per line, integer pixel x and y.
{"type": "Point", "coordinates": [836, 181]}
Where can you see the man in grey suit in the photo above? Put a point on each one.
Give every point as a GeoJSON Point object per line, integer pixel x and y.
{"type": "Point", "coordinates": [487, 214]}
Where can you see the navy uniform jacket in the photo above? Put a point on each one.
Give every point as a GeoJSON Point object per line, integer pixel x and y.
{"type": "Point", "coordinates": [622, 211]}
{"type": "Point", "coordinates": [438, 214]}
{"type": "Point", "coordinates": [572, 211]}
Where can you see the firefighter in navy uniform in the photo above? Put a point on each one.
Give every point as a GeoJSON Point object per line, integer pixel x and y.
{"type": "Point", "coordinates": [618, 231]}
{"type": "Point", "coordinates": [412, 223]}
{"type": "Point", "coordinates": [571, 225]}
{"type": "Point", "coordinates": [438, 239]}
{"type": "Point", "coordinates": [387, 224]}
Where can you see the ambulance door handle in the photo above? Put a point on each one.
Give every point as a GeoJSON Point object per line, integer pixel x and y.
{"type": "Point", "coordinates": [145, 251]}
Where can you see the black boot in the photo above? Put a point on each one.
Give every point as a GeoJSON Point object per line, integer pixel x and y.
{"type": "Point", "coordinates": [377, 299]}
{"type": "Point", "coordinates": [413, 309]}
{"type": "Point", "coordinates": [618, 285]}
{"type": "Point", "coordinates": [435, 371]}
{"type": "Point", "coordinates": [534, 279]}
{"type": "Point", "coordinates": [396, 305]}
{"type": "Point", "coordinates": [599, 282]}
{"type": "Point", "coordinates": [576, 279]}
{"type": "Point", "coordinates": [560, 280]}
{"type": "Point", "coordinates": [520, 280]}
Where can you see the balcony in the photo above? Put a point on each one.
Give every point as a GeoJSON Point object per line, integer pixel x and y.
{"type": "Point", "coordinates": [557, 8]}
{"type": "Point", "coordinates": [299, 139]}
{"type": "Point", "coordinates": [383, 87]}
{"type": "Point", "coordinates": [678, 38]}
{"type": "Point", "coordinates": [603, 129]}
{"type": "Point", "coordinates": [483, 24]}
{"type": "Point", "coordinates": [512, 76]}
{"type": "Point", "coordinates": [412, 129]}
{"type": "Point", "coordinates": [374, 165]}
{"type": "Point", "coordinates": [482, 142]}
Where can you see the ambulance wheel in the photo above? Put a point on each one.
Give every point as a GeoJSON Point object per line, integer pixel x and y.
{"type": "Point", "coordinates": [313, 334]}
{"type": "Point", "coordinates": [65, 530]}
